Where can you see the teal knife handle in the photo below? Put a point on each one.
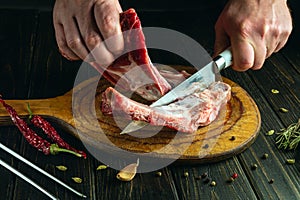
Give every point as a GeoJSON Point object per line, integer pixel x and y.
{"type": "Point", "coordinates": [224, 59]}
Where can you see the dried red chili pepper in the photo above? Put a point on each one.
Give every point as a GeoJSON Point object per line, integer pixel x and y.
{"type": "Point", "coordinates": [31, 136]}
{"type": "Point", "coordinates": [50, 131]}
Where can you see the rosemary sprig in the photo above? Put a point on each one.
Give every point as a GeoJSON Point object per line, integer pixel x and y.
{"type": "Point", "coordinates": [289, 138]}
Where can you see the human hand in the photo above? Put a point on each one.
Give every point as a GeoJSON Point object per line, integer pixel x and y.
{"type": "Point", "coordinates": [82, 27]}
{"type": "Point", "coordinates": [254, 29]}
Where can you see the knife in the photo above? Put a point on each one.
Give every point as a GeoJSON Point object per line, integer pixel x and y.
{"type": "Point", "coordinates": [205, 74]}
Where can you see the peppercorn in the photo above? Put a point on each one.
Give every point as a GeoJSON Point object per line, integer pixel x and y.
{"type": "Point", "coordinates": [232, 138]}
{"type": "Point", "coordinates": [271, 181]}
{"type": "Point", "coordinates": [265, 156]}
{"type": "Point", "coordinates": [254, 166]}
{"type": "Point", "coordinates": [186, 174]}
{"type": "Point", "coordinates": [234, 176]}
{"type": "Point", "coordinates": [204, 175]}
{"type": "Point", "coordinates": [158, 174]}
{"type": "Point", "coordinates": [207, 180]}
{"type": "Point", "coordinates": [230, 180]}
{"type": "Point", "coordinates": [213, 183]}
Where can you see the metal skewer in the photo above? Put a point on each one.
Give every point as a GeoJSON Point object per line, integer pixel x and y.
{"type": "Point", "coordinates": [27, 179]}
{"type": "Point", "coordinates": [11, 152]}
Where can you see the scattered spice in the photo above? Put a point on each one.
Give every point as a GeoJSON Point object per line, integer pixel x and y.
{"type": "Point", "coordinates": [77, 179]}
{"type": "Point", "coordinates": [230, 180]}
{"type": "Point", "coordinates": [274, 91]}
{"type": "Point", "coordinates": [50, 131]}
{"type": "Point", "coordinates": [61, 168]}
{"type": "Point", "coordinates": [207, 180]}
{"type": "Point", "coordinates": [204, 175]}
{"type": "Point", "coordinates": [265, 156]}
{"type": "Point", "coordinates": [270, 132]}
{"type": "Point", "coordinates": [159, 174]}
{"type": "Point", "coordinates": [283, 110]}
{"type": "Point", "coordinates": [101, 167]}
{"type": "Point", "coordinates": [232, 138]}
{"type": "Point", "coordinates": [290, 161]}
{"type": "Point", "coordinates": [254, 166]}
{"type": "Point", "coordinates": [213, 183]}
{"type": "Point", "coordinates": [289, 138]}
{"type": "Point", "coordinates": [128, 172]}
{"type": "Point", "coordinates": [30, 135]}
{"type": "Point", "coordinates": [234, 176]}
{"type": "Point", "coordinates": [185, 174]}
{"type": "Point", "coordinates": [271, 181]}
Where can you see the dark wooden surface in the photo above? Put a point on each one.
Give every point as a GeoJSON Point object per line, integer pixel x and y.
{"type": "Point", "coordinates": [31, 67]}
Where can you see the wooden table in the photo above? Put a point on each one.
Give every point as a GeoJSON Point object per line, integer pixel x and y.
{"type": "Point", "coordinates": [31, 67]}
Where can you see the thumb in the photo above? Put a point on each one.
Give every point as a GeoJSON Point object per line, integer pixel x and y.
{"type": "Point", "coordinates": [243, 54]}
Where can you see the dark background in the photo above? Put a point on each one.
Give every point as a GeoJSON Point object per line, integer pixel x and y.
{"type": "Point", "coordinates": [31, 67]}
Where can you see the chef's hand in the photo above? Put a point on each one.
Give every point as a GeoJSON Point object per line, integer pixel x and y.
{"type": "Point", "coordinates": [255, 29]}
{"type": "Point", "coordinates": [81, 26]}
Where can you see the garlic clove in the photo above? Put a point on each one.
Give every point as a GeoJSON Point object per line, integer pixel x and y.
{"type": "Point", "coordinates": [128, 172]}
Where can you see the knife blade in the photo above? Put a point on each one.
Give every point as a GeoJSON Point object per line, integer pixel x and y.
{"type": "Point", "coordinates": [206, 74]}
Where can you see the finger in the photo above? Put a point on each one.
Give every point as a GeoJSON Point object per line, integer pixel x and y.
{"type": "Point", "coordinates": [271, 46]}
{"type": "Point", "coordinates": [242, 53]}
{"type": "Point", "coordinates": [102, 56]}
{"type": "Point", "coordinates": [92, 39]}
{"type": "Point", "coordinates": [62, 44]}
{"type": "Point", "coordinates": [107, 19]}
{"type": "Point", "coordinates": [272, 41]}
{"type": "Point", "coordinates": [74, 39]}
{"type": "Point", "coordinates": [281, 44]}
{"type": "Point", "coordinates": [260, 52]}
{"type": "Point", "coordinates": [221, 41]}
{"type": "Point", "coordinates": [119, 8]}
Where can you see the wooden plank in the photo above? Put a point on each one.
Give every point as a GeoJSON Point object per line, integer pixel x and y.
{"type": "Point", "coordinates": [17, 41]}
{"type": "Point", "coordinates": [10, 137]}
{"type": "Point", "coordinates": [101, 185]}
{"type": "Point", "coordinates": [192, 188]}
{"type": "Point", "coordinates": [291, 50]}
{"type": "Point", "coordinates": [284, 77]}
{"type": "Point", "coordinates": [143, 186]}
{"type": "Point", "coordinates": [275, 167]}
{"type": "Point", "coordinates": [77, 167]}
{"type": "Point", "coordinates": [51, 74]}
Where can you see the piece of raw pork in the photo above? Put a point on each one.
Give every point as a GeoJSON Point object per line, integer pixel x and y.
{"type": "Point", "coordinates": [196, 108]}
{"type": "Point", "coordinates": [134, 70]}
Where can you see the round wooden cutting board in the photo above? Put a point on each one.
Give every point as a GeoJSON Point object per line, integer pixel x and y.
{"type": "Point", "coordinates": [233, 131]}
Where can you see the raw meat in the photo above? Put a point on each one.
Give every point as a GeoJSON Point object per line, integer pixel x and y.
{"type": "Point", "coordinates": [134, 70]}
{"type": "Point", "coordinates": [196, 108]}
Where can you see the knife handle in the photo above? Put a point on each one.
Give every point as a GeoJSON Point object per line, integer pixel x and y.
{"type": "Point", "coordinates": [224, 59]}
